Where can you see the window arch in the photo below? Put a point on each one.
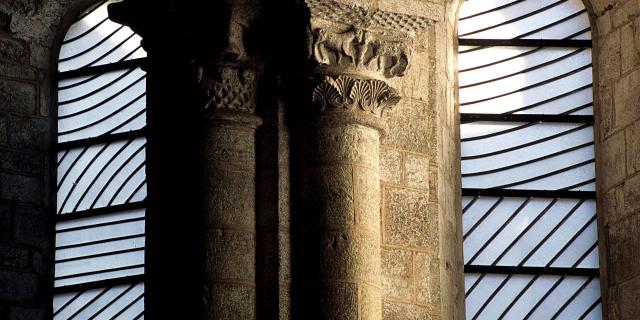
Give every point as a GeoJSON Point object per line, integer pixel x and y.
{"type": "Point", "coordinates": [101, 179]}
{"type": "Point", "coordinates": [527, 157]}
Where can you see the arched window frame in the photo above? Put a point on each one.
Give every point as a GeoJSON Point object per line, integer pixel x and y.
{"type": "Point", "coordinates": [587, 119]}
{"type": "Point", "coordinates": [115, 294]}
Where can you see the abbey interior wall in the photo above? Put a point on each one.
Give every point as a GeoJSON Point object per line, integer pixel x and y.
{"type": "Point", "coordinates": [421, 241]}
{"type": "Point", "coordinates": [26, 34]}
{"type": "Point", "coordinates": [421, 273]}
{"type": "Point", "coordinates": [618, 121]}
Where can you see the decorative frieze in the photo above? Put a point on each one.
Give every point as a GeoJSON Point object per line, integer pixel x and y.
{"type": "Point", "coordinates": [361, 18]}
{"type": "Point", "coordinates": [352, 39]}
{"type": "Point", "coordinates": [361, 49]}
{"type": "Point", "coordinates": [350, 94]}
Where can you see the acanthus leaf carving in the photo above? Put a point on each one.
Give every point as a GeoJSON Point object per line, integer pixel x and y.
{"type": "Point", "coordinates": [344, 93]}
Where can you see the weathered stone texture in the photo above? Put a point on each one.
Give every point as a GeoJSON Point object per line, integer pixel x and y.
{"type": "Point", "coordinates": [403, 311]}
{"type": "Point", "coordinates": [625, 301]}
{"type": "Point", "coordinates": [17, 97]}
{"type": "Point", "coordinates": [617, 60]}
{"type": "Point", "coordinates": [410, 220]}
{"type": "Point", "coordinates": [411, 124]}
{"type": "Point", "coordinates": [397, 274]}
{"type": "Point", "coordinates": [613, 160]}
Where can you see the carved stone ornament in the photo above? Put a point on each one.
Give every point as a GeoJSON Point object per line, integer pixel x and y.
{"type": "Point", "coordinates": [344, 93]}
{"type": "Point", "coordinates": [354, 39]}
{"type": "Point", "coordinates": [361, 50]}
{"type": "Point", "coordinates": [230, 88]}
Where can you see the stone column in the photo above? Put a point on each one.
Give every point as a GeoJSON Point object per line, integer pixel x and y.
{"type": "Point", "coordinates": [355, 53]}
{"type": "Point", "coordinates": [229, 192]}
{"type": "Point", "coordinates": [343, 196]}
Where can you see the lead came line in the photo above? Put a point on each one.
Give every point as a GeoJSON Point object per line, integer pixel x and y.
{"type": "Point", "coordinates": [113, 301]}
{"type": "Point", "coordinates": [500, 229]}
{"type": "Point", "coordinates": [551, 155]}
{"type": "Point", "coordinates": [492, 10]}
{"type": "Point", "coordinates": [484, 216]}
{"type": "Point", "coordinates": [525, 88]}
{"type": "Point", "coordinates": [528, 144]}
{"type": "Point", "coordinates": [515, 241]}
{"type": "Point", "coordinates": [526, 15]}
{"type": "Point", "coordinates": [89, 303]}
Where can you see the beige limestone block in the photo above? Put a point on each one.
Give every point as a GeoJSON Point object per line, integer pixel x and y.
{"type": "Point", "coordinates": [631, 194]}
{"type": "Point", "coordinates": [397, 274]}
{"type": "Point", "coordinates": [409, 219]}
{"type": "Point", "coordinates": [627, 99]}
{"type": "Point", "coordinates": [632, 135]}
{"type": "Point", "coordinates": [370, 302]}
{"type": "Point", "coordinates": [410, 127]}
{"type": "Point", "coordinates": [332, 195]}
{"type": "Point", "coordinates": [392, 310]}
{"type": "Point", "coordinates": [623, 240]}
{"type": "Point", "coordinates": [608, 61]}
{"type": "Point", "coordinates": [390, 166]}
{"type": "Point", "coordinates": [351, 254]}
{"type": "Point", "coordinates": [427, 281]}
{"type": "Point", "coordinates": [417, 171]}
{"type": "Point", "coordinates": [348, 143]}
{"type": "Point", "coordinates": [367, 196]}
{"type": "Point", "coordinates": [613, 160]}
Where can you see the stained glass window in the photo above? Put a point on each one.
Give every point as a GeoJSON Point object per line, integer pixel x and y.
{"type": "Point", "coordinates": [527, 149]}
{"type": "Point", "coordinates": [101, 181]}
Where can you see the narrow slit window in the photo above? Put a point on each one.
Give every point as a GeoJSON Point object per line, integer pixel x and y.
{"type": "Point", "coordinates": [101, 178]}
{"type": "Point", "coordinates": [527, 160]}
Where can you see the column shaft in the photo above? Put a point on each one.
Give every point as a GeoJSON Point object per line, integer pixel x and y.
{"type": "Point", "coordinates": [343, 198]}
{"type": "Point", "coordinates": [230, 234]}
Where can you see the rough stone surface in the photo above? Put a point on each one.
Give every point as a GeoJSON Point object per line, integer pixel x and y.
{"type": "Point", "coordinates": [403, 311]}
{"type": "Point", "coordinates": [17, 97]}
{"type": "Point", "coordinates": [409, 219]}
{"type": "Point", "coordinates": [390, 166]}
{"type": "Point", "coordinates": [617, 77]}
{"type": "Point", "coordinates": [417, 171]}
{"type": "Point", "coordinates": [397, 274]}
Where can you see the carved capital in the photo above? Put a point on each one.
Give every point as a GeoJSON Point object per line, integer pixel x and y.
{"type": "Point", "coordinates": [230, 88]}
{"type": "Point", "coordinates": [361, 51]}
{"type": "Point", "coordinates": [351, 39]}
{"type": "Point", "coordinates": [344, 93]}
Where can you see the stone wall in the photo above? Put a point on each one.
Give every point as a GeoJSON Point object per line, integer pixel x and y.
{"type": "Point", "coordinates": [422, 272]}
{"type": "Point", "coordinates": [27, 29]}
{"type": "Point", "coordinates": [617, 61]}
{"type": "Point", "coordinates": [420, 227]}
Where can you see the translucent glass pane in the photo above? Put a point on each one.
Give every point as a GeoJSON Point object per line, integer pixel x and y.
{"type": "Point", "coordinates": [99, 247]}
{"type": "Point", "coordinates": [101, 104]}
{"type": "Point", "coordinates": [517, 79]}
{"type": "Point", "coordinates": [538, 232]}
{"type": "Point", "coordinates": [536, 19]}
{"type": "Point", "coordinates": [542, 156]}
{"type": "Point", "coordinates": [124, 301]}
{"type": "Point", "coordinates": [527, 95]}
{"type": "Point", "coordinates": [504, 296]}
{"type": "Point", "coordinates": [101, 175]}
{"type": "Point", "coordinates": [96, 40]}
